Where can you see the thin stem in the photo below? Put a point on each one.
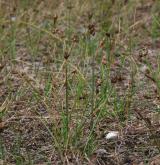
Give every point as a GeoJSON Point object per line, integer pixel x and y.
{"type": "Point", "coordinates": [66, 97]}
{"type": "Point", "coordinates": [67, 54]}
{"type": "Point", "coordinates": [93, 90]}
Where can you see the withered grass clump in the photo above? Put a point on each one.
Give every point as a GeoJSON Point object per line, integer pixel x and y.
{"type": "Point", "coordinates": [72, 71]}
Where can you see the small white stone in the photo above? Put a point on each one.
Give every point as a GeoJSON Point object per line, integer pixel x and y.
{"type": "Point", "coordinates": [13, 18]}
{"type": "Point", "coordinates": [112, 135]}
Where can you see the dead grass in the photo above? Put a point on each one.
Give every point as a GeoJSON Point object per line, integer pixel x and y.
{"type": "Point", "coordinates": [69, 74]}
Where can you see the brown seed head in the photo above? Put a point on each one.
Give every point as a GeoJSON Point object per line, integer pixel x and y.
{"type": "Point", "coordinates": [66, 55]}
{"type": "Point", "coordinates": [108, 35]}
{"type": "Point", "coordinates": [75, 39]}
{"type": "Point", "coordinates": [70, 7]}
{"type": "Point", "coordinates": [91, 29]}
{"type": "Point", "coordinates": [104, 60]}
{"type": "Point", "coordinates": [102, 42]}
{"type": "Point", "coordinates": [98, 82]}
{"type": "Point", "coordinates": [55, 18]}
